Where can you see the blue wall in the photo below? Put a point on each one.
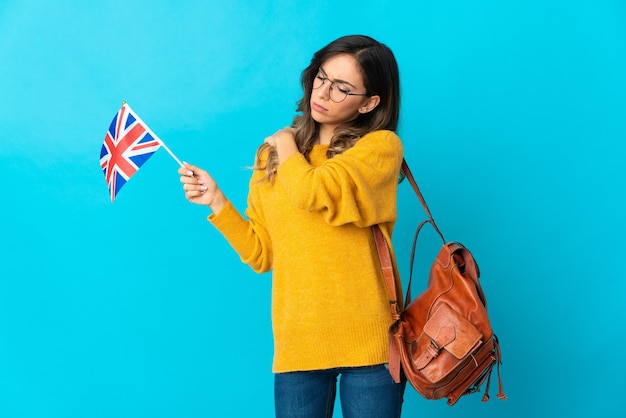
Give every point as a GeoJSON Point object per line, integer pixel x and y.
{"type": "Point", "coordinates": [513, 121]}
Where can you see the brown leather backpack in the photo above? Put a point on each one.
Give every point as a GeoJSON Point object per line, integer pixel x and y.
{"type": "Point", "coordinates": [442, 341]}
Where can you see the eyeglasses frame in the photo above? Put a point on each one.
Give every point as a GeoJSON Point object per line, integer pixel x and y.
{"type": "Point", "coordinates": [333, 83]}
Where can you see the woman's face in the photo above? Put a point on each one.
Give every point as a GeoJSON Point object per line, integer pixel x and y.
{"type": "Point", "coordinates": [342, 74]}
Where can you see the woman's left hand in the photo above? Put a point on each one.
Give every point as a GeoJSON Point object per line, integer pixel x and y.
{"type": "Point", "coordinates": [284, 141]}
{"type": "Point", "coordinates": [285, 134]}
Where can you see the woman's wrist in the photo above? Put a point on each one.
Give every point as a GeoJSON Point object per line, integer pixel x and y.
{"type": "Point", "coordinates": [218, 202]}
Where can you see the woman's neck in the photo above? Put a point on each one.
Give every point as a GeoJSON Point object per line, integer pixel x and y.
{"type": "Point", "coordinates": [325, 135]}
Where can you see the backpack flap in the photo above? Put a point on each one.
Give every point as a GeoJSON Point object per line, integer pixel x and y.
{"type": "Point", "coordinates": [447, 331]}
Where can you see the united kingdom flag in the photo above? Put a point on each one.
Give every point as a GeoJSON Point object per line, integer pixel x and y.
{"type": "Point", "coordinates": [127, 146]}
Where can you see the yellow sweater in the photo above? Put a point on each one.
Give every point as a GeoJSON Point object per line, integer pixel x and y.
{"type": "Point", "coordinates": [312, 228]}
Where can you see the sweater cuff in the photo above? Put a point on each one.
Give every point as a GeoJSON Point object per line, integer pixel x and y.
{"type": "Point", "coordinates": [227, 218]}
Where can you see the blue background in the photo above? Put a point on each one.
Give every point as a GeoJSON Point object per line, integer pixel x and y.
{"type": "Point", "coordinates": [513, 122]}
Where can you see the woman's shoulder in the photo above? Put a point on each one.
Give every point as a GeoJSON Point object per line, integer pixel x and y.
{"type": "Point", "coordinates": [382, 137]}
{"type": "Point", "coordinates": [262, 154]}
{"type": "Point", "coordinates": [260, 162]}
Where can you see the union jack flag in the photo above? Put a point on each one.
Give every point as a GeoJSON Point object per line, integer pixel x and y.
{"type": "Point", "coordinates": [127, 145]}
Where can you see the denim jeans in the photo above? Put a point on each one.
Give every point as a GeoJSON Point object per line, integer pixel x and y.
{"type": "Point", "coordinates": [364, 392]}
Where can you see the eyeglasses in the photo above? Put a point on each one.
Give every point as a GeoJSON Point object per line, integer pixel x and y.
{"type": "Point", "coordinates": [336, 93]}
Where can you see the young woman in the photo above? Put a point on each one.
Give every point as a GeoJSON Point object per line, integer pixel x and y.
{"type": "Point", "coordinates": [316, 190]}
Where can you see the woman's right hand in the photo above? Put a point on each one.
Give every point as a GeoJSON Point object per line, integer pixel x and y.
{"type": "Point", "coordinates": [200, 188]}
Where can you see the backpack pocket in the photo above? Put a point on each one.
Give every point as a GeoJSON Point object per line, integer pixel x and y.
{"type": "Point", "coordinates": [448, 340]}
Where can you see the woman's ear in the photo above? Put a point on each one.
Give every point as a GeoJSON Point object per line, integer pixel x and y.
{"type": "Point", "coordinates": [370, 104]}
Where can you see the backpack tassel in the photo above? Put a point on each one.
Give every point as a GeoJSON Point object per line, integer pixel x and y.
{"type": "Point", "coordinates": [501, 394]}
{"type": "Point", "coordinates": [498, 355]}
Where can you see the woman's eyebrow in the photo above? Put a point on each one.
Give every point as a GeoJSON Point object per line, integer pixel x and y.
{"type": "Point", "coordinates": [337, 81]}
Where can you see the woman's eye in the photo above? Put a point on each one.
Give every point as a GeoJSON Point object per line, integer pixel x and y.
{"type": "Point", "coordinates": [343, 90]}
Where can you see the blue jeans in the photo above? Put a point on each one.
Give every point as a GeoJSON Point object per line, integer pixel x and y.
{"type": "Point", "coordinates": [364, 392]}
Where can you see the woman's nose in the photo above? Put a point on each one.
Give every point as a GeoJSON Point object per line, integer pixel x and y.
{"type": "Point", "coordinates": [324, 90]}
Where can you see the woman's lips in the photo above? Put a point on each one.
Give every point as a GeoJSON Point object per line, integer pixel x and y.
{"type": "Point", "coordinates": [318, 107]}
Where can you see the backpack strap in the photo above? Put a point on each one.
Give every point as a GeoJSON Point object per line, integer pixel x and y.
{"type": "Point", "coordinates": [384, 255]}
{"type": "Point", "coordinates": [407, 173]}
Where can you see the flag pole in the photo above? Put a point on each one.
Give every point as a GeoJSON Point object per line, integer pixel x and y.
{"type": "Point", "coordinates": [167, 149]}
{"type": "Point", "coordinates": [154, 135]}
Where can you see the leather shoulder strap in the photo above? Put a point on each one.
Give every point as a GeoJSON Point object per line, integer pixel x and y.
{"type": "Point", "coordinates": [407, 173]}
{"type": "Point", "coordinates": [386, 264]}
{"type": "Point", "coordinates": [384, 255]}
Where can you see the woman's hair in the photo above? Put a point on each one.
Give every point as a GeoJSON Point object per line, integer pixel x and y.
{"type": "Point", "coordinates": [379, 70]}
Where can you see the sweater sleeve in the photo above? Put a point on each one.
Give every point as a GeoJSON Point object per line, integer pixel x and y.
{"type": "Point", "coordinates": [353, 187]}
{"type": "Point", "coordinates": [248, 237]}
